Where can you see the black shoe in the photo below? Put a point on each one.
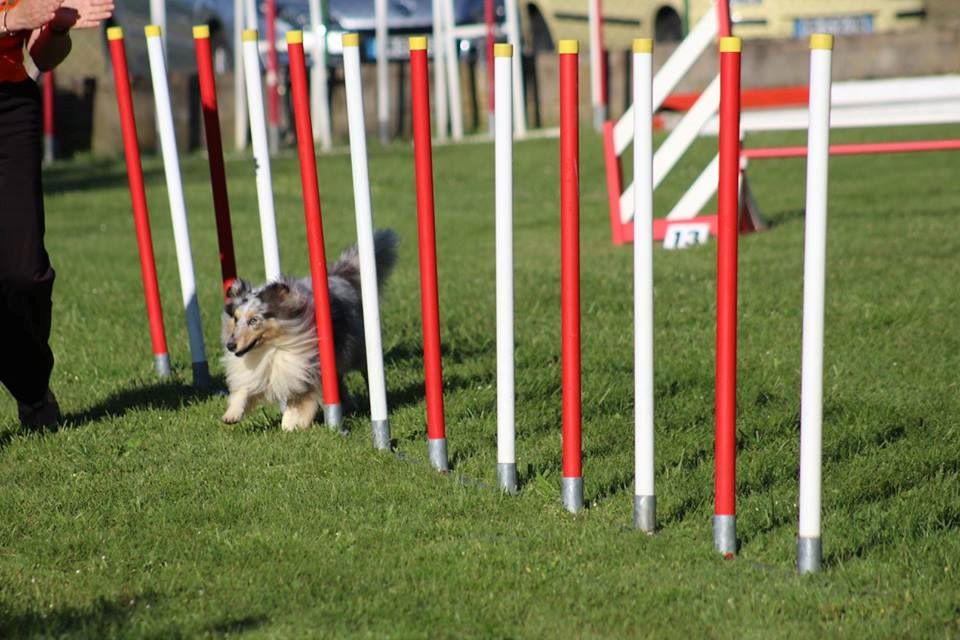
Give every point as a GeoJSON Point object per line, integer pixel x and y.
{"type": "Point", "coordinates": [44, 414]}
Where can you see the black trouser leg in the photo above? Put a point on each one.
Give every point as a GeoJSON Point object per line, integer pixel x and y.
{"type": "Point", "coordinates": [26, 277]}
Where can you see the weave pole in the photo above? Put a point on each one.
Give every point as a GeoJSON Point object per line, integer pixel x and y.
{"type": "Point", "coordinates": [598, 71]}
{"type": "Point", "coordinates": [809, 550]}
{"type": "Point", "coordinates": [261, 154]}
{"type": "Point", "coordinates": [273, 75]}
{"type": "Point", "coordinates": [178, 207]}
{"type": "Point", "coordinates": [489, 40]}
{"type": "Point", "coordinates": [319, 92]}
{"type": "Point", "coordinates": [503, 170]}
{"type": "Point", "coordinates": [572, 483]}
{"type": "Point", "coordinates": [49, 141]}
{"type": "Point", "coordinates": [138, 197]}
{"type": "Point", "coordinates": [725, 487]}
{"type": "Point", "coordinates": [218, 177]}
{"type": "Point", "coordinates": [363, 209]}
{"type": "Point", "coordinates": [427, 241]}
{"type": "Point", "coordinates": [332, 410]}
{"type": "Point", "coordinates": [381, 11]}
{"type": "Point", "coordinates": [644, 498]}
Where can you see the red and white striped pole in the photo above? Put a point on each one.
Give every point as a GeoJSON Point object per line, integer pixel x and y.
{"type": "Point", "coordinates": [644, 499]}
{"type": "Point", "coordinates": [429, 300]}
{"type": "Point", "coordinates": [572, 483]}
{"type": "Point", "coordinates": [273, 75]}
{"type": "Point", "coordinates": [809, 551]}
{"type": "Point", "coordinates": [725, 518]}
{"type": "Point", "coordinates": [332, 410]}
{"type": "Point", "coordinates": [49, 89]}
{"type": "Point", "coordinates": [138, 196]}
{"type": "Point", "coordinates": [218, 177]}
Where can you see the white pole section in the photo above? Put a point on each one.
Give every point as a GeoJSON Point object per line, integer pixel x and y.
{"type": "Point", "coordinates": [239, 91]}
{"type": "Point", "coordinates": [503, 171]}
{"type": "Point", "coordinates": [319, 98]}
{"type": "Point", "coordinates": [513, 35]}
{"type": "Point", "coordinates": [178, 207]}
{"type": "Point", "coordinates": [158, 17]}
{"type": "Point", "coordinates": [644, 499]}
{"type": "Point", "coordinates": [809, 551]}
{"type": "Point", "coordinates": [453, 70]}
{"type": "Point", "coordinates": [365, 243]}
{"type": "Point", "coordinates": [261, 155]}
{"type": "Point", "coordinates": [439, 72]}
{"type": "Point", "coordinates": [383, 70]}
{"type": "Point", "coordinates": [250, 14]}
{"type": "Point", "coordinates": [594, 20]}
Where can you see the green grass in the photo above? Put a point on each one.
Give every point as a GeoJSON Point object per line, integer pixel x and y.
{"type": "Point", "coordinates": [145, 516]}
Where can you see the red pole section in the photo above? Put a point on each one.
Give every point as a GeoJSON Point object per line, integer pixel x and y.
{"type": "Point", "coordinates": [314, 220]}
{"type": "Point", "coordinates": [48, 106]}
{"type": "Point", "coordinates": [141, 216]}
{"type": "Point", "coordinates": [727, 236]}
{"type": "Point", "coordinates": [429, 305]}
{"type": "Point", "coordinates": [273, 67]}
{"type": "Point", "coordinates": [488, 16]}
{"type": "Point", "coordinates": [723, 18]}
{"type": "Point", "coordinates": [218, 177]}
{"type": "Point", "coordinates": [570, 271]}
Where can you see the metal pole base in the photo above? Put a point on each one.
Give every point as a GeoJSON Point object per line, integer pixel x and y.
{"type": "Point", "coordinates": [333, 415]}
{"type": "Point", "coordinates": [572, 491]}
{"type": "Point", "coordinates": [381, 434]}
{"type": "Point", "coordinates": [507, 477]}
{"type": "Point", "coordinates": [725, 534]}
{"type": "Point", "coordinates": [48, 154]}
{"type": "Point", "coordinates": [384, 133]}
{"type": "Point", "coordinates": [599, 117]}
{"type": "Point", "coordinates": [161, 363]}
{"type": "Point", "coordinates": [645, 513]}
{"type": "Point", "coordinates": [809, 554]}
{"type": "Point", "coordinates": [201, 375]}
{"type": "Point", "coordinates": [273, 138]}
{"type": "Point", "coordinates": [437, 450]}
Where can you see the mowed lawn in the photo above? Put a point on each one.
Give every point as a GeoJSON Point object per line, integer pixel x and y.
{"type": "Point", "coordinates": [145, 516]}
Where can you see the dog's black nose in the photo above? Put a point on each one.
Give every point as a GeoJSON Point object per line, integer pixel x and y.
{"type": "Point", "coordinates": [231, 346]}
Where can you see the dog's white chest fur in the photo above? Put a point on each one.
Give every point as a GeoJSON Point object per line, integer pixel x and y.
{"type": "Point", "coordinates": [276, 372]}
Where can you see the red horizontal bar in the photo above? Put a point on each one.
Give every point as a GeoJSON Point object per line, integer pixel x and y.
{"type": "Point", "coordinates": [865, 148]}
{"type": "Point", "coordinates": [749, 98]}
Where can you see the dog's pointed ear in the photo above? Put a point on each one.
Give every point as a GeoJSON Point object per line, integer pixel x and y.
{"type": "Point", "coordinates": [274, 293]}
{"type": "Point", "coordinates": [237, 290]}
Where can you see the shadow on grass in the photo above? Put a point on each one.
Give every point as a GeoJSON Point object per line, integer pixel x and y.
{"type": "Point", "coordinates": [166, 396]}
{"type": "Point", "coordinates": [101, 174]}
{"type": "Point", "coordinates": [102, 618]}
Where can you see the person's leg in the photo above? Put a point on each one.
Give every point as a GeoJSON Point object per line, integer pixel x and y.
{"type": "Point", "coordinates": [26, 277]}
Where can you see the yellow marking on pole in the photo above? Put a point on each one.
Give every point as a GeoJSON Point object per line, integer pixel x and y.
{"type": "Point", "coordinates": [152, 31]}
{"type": "Point", "coordinates": [250, 35]}
{"type": "Point", "coordinates": [503, 50]}
{"type": "Point", "coordinates": [569, 46]}
{"type": "Point", "coordinates": [821, 41]}
{"type": "Point", "coordinates": [294, 37]}
{"type": "Point", "coordinates": [115, 33]}
{"type": "Point", "coordinates": [201, 31]}
{"type": "Point", "coordinates": [731, 44]}
{"type": "Point", "coordinates": [418, 43]}
{"type": "Point", "coordinates": [643, 45]}
{"type": "Point", "coordinates": [350, 40]}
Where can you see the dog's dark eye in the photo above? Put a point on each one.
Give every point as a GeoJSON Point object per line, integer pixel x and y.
{"type": "Point", "coordinates": [253, 322]}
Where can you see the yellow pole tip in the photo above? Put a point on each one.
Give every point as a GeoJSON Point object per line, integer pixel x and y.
{"type": "Point", "coordinates": [569, 46]}
{"type": "Point", "coordinates": [115, 33]}
{"type": "Point", "coordinates": [294, 37]}
{"type": "Point", "coordinates": [503, 50]}
{"type": "Point", "coordinates": [731, 44]}
{"type": "Point", "coordinates": [152, 31]}
{"type": "Point", "coordinates": [418, 43]}
{"type": "Point", "coordinates": [350, 39]}
{"type": "Point", "coordinates": [250, 35]}
{"type": "Point", "coordinates": [643, 45]}
{"type": "Point", "coordinates": [821, 41]}
{"type": "Point", "coordinates": [201, 31]}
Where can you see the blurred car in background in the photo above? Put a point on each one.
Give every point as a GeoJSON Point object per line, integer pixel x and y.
{"type": "Point", "coordinates": [546, 21]}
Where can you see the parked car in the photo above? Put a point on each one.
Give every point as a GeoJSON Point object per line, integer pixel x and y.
{"type": "Point", "coordinates": [546, 21]}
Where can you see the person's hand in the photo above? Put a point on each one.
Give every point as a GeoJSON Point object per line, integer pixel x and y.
{"type": "Point", "coordinates": [27, 15]}
{"type": "Point", "coordinates": [88, 13]}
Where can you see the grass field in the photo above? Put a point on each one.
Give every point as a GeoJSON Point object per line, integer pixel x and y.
{"type": "Point", "coordinates": [145, 516]}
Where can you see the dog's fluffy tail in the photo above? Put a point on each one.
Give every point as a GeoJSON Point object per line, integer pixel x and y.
{"type": "Point", "coordinates": [385, 242]}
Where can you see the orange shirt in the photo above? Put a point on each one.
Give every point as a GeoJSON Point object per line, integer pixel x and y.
{"type": "Point", "coordinates": [11, 57]}
{"type": "Point", "coordinates": [11, 51]}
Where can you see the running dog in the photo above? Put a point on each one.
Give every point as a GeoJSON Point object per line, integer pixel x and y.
{"type": "Point", "coordinates": [270, 337]}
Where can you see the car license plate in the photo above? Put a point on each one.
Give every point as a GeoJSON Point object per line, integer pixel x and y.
{"type": "Point", "coordinates": [837, 25]}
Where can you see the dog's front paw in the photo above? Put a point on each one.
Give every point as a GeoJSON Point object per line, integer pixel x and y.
{"type": "Point", "coordinates": [232, 417]}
